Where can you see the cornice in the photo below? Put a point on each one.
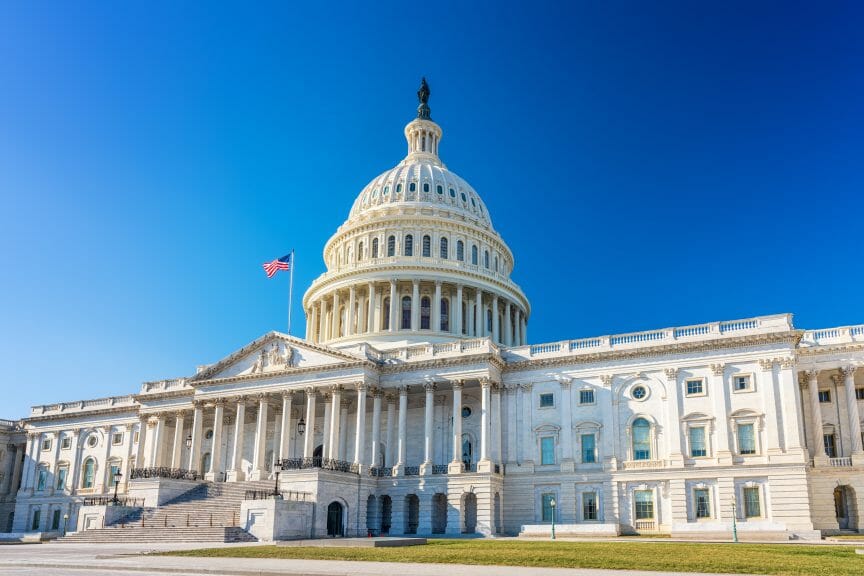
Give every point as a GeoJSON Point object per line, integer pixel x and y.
{"type": "Point", "coordinates": [147, 396]}
{"type": "Point", "coordinates": [70, 415]}
{"type": "Point", "coordinates": [788, 337]}
{"type": "Point", "coordinates": [831, 349]}
{"type": "Point", "coordinates": [460, 360]}
{"type": "Point", "coordinates": [287, 372]}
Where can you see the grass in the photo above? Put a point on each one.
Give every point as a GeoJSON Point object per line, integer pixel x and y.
{"type": "Point", "coordinates": [783, 560]}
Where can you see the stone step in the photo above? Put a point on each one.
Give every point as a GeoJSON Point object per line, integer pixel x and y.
{"type": "Point", "coordinates": [221, 534]}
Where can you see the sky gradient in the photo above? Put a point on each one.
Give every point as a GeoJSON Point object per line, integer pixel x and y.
{"type": "Point", "coordinates": [648, 166]}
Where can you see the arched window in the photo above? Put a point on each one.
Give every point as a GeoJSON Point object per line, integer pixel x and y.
{"type": "Point", "coordinates": [489, 322]}
{"type": "Point", "coordinates": [474, 256]}
{"type": "Point", "coordinates": [341, 321]}
{"type": "Point", "coordinates": [444, 248]}
{"type": "Point", "coordinates": [409, 245]}
{"type": "Point", "coordinates": [465, 318]}
{"type": "Point", "coordinates": [460, 251]}
{"type": "Point", "coordinates": [641, 431]}
{"type": "Point", "coordinates": [205, 463]}
{"type": "Point", "coordinates": [496, 261]}
{"type": "Point", "coordinates": [486, 258]}
{"type": "Point", "coordinates": [391, 246]}
{"type": "Point", "coordinates": [445, 315]}
{"type": "Point", "coordinates": [427, 246]}
{"type": "Point", "coordinates": [406, 313]}
{"type": "Point", "coordinates": [425, 187]}
{"type": "Point", "coordinates": [374, 248]}
{"type": "Point", "coordinates": [385, 324]}
{"type": "Point", "coordinates": [412, 186]}
{"type": "Point", "coordinates": [88, 476]}
{"type": "Point", "coordinates": [399, 188]}
{"type": "Point", "coordinates": [425, 312]}
{"type": "Point", "coordinates": [360, 251]}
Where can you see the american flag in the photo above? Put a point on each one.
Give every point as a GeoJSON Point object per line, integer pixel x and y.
{"type": "Point", "coordinates": [283, 263]}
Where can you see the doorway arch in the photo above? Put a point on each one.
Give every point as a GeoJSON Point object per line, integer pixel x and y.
{"type": "Point", "coordinates": [469, 513]}
{"type": "Point", "coordinates": [386, 508]}
{"type": "Point", "coordinates": [845, 509]}
{"type": "Point", "coordinates": [335, 520]}
{"type": "Point", "coordinates": [412, 513]}
{"type": "Point", "coordinates": [439, 513]}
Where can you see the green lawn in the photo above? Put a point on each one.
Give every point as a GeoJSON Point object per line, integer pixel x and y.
{"type": "Point", "coordinates": [729, 558]}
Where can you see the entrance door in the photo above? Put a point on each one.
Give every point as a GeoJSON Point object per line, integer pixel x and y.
{"type": "Point", "coordinates": [386, 514]}
{"type": "Point", "coordinates": [334, 520]}
{"type": "Point", "coordinates": [467, 453]}
{"type": "Point", "coordinates": [469, 503]}
{"type": "Point", "coordinates": [841, 507]}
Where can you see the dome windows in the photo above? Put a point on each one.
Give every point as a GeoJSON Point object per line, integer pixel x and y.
{"type": "Point", "coordinates": [474, 255]}
{"type": "Point", "coordinates": [399, 188]}
{"type": "Point", "coordinates": [425, 187]}
{"type": "Point", "coordinates": [409, 245]}
{"type": "Point", "coordinates": [427, 246]}
{"type": "Point", "coordinates": [486, 259]}
{"type": "Point", "coordinates": [412, 187]}
{"type": "Point", "coordinates": [460, 251]}
{"type": "Point", "coordinates": [386, 190]}
{"type": "Point", "coordinates": [375, 193]}
{"type": "Point", "coordinates": [425, 313]}
{"type": "Point", "coordinates": [440, 189]}
{"type": "Point", "coordinates": [406, 313]}
{"type": "Point", "coordinates": [452, 193]}
{"type": "Point", "coordinates": [474, 204]}
{"type": "Point", "coordinates": [360, 251]}
{"type": "Point", "coordinates": [443, 251]}
{"type": "Point", "coordinates": [464, 199]}
{"type": "Point", "coordinates": [391, 246]}
{"type": "Point", "coordinates": [374, 248]}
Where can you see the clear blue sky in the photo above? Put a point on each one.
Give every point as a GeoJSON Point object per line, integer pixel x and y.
{"type": "Point", "coordinates": [649, 166]}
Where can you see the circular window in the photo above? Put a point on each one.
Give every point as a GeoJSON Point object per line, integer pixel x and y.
{"type": "Point", "coordinates": [466, 411]}
{"type": "Point", "coordinates": [209, 434]}
{"type": "Point", "coordinates": [639, 392]}
{"type": "Point", "coordinates": [91, 441]}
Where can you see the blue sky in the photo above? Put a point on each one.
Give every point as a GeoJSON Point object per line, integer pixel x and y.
{"type": "Point", "coordinates": [649, 166]}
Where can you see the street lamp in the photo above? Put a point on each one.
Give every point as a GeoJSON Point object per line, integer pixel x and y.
{"type": "Point", "coordinates": [734, 524]}
{"type": "Point", "coordinates": [117, 476]}
{"type": "Point", "coordinates": [301, 426]}
{"type": "Point", "coordinates": [278, 469]}
{"type": "Point", "coordinates": [65, 523]}
{"type": "Point", "coordinates": [552, 504]}
{"type": "Point", "coordinates": [189, 441]}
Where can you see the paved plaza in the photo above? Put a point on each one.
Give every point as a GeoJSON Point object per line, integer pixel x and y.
{"type": "Point", "coordinates": [110, 559]}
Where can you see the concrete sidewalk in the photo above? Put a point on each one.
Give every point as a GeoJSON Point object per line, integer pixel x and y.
{"type": "Point", "coordinates": [78, 559]}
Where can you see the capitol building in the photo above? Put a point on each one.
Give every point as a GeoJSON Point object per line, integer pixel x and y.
{"type": "Point", "coordinates": [418, 404]}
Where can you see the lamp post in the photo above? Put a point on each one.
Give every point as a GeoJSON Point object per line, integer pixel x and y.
{"type": "Point", "coordinates": [301, 426]}
{"type": "Point", "coordinates": [65, 523]}
{"type": "Point", "coordinates": [189, 441]}
{"type": "Point", "coordinates": [734, 524]}
{"type": "Point", "coordinates": [552, 504]}
{"type": "Point", "coordinates": [278, 469]}
{"type": "Point", "coordinates": [117, 476]}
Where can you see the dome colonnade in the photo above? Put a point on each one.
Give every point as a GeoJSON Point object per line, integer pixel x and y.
{"type": "Point", "coordinates": [418, 259]}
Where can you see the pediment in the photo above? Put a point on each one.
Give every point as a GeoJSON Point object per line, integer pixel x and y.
{"type": "Point", "coordinates": [274, 353]}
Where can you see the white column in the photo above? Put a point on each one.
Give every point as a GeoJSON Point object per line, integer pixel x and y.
{"type": "Point", "coordinates": [512, 423]}
{"type": "Point", "coordinates": [770, 405]}
{"type": "Point", "coordinates": [75, 471]}
{"type": "Point", "coordinates": [811, 381]}
{"type": "Point", "coordinates": [344, 426]}
{"type": "Point", "coordinates": [322, 321]}
{"type": "Point", "coordinates": [349, 316]}
{"type": "Point", "coordinates": [142, 438]}
{"type": "Point", "coordinates": [790, 397]}
{"type": "Point", "coordinates": [508, 324]}
{"type": "Point", "coordinates": [214, 474]}
{"type": "Point", "coordinates": [236, 473]}
{"type": "Point", "coordinates": [399, 469]}
{"type": "Point", "coordinates": [517, 324]}
{"type": "Point", "coordinates": [376, 427]}
{"type": "Point", "coordinates": [361, 315]}
{"type": "Point", "coordinates": [527, 432]}
{"type": "Point", "coordinates": [718, 390]}
{"type": "Point", "coordinates": [415, 305]}
{"type": "Point", "coordinates": [566, 425]}
{"type": "Point", "coordinates": [32, 450]}
{"type": "Point", "coordinates": [848, 373]}
{"type": "Point", "coordinates": [458, 310]}
{"type": "Point", "coordinates": [335, 413]}
{"type": "Point", "coordinates": [325, 431]}
{"type": "Point", "coordinates": [479, 324]}
{"type": "Point", "coordinates": [496, 424]}
{"type": "Point", "coordinates": [484, 464]}
{"type": "Point", "coordinates": [309, 439]}
{"type": "Point", "coordinates": [436, 308]}
{"type": "Point", "coordinates": [259, 471]}
{"type": "Point", "coordinates": [370, 314]}
{"type": "Point", "coordinates": [159, 441]}
{"type": "Point", "coordinates": [312, 328]}
{"type": "Point", "coordinates": [428, 431]}
{"type": "Point", "coordinates": [195, 451]}
{"type": "Point", "coordinates": [55, 446]}
{"type": "Point", "coordinates": [455, 466]}
{"type": "Point", "coordinates": [285, 436]}
{"type": "Point", "coordinates": [106, 481]}
{"type": "Point", "coordinates": [496, 330]}
{"type": "Point", "coordinates": [391, 430]}
{"type": "Point", "coordinates": [394, 323]}
{"type": "Point", "coordinates": [523, 329]}
{"type": "Point", "coordinates": [360, 431]}
{"type": "Point", "coordinates": [335, 317]}
{"type": "Point", "coordinates": [176, 460]}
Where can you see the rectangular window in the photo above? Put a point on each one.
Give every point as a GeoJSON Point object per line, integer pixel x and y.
{"type": "Point", "coordinates": [55, 519]}
{"type": "Point", "coordinates": [824, 396]}
{"type": "Point", "coordinates": [589, 506]}
{"type": "Point", "coordinates": [702, 500]}
{"type": "Point", "coordinates": [548, 509]}
{"type": "Point", "coordinates": [46, 444]}
{"type": "Point", "coordinates": [741, 383]}
{"type": "Point", "coordinates": [61, 477]}
{"type": "Point", "coordinates": [117, 438]}
{"type": "Point", "coordinates": [65, 443]}
{"type": "Point", "coordinates": [547, 450]}
{"type": "Point", "coordinates": [695, 387]}
{"type": "Point", "coordinates": [746, 439]}
{"type": "Point", "coordinates": [586, 397]}
{"type": "Point", "coordinates": [830, 445]}
{"type": "Point", "coordinates": [644, 504]}
{"type": "Point", "coordinates": [697, 442]}
{"type": "Point", "coordinates": [589, 449]}
{"type": "Point", "coordinates": [43, 478]}
{"type": "Point", "coordinates": [547, 400]}
{"type": "Point", "coordinates": [37, 519]}
{"type": "Point", "coordinates": [859, 393]}
{"type": "Point", "coordinates": [752, 508]}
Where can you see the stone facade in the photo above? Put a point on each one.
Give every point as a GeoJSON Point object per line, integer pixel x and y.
{"type": "Point", "coordinates": [415, 404]}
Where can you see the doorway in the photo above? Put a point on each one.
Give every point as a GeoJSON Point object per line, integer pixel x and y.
{"type": "Point", "coordinates": [412, 513]}
{"type": "Point", "coordinates": [335, 526]}
{"type": "Point", "coordinates": [844, 508]}
{"type": "Point", "coordinates": [469, 511]}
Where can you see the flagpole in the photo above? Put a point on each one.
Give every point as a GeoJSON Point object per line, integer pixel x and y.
{"type": "Point", "coordinates": [291, 291]}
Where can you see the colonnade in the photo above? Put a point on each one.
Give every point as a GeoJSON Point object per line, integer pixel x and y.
{"type": "Point", "coordinates": [843, 380]}
{"type": "Point", "coordinates": [415, 305]}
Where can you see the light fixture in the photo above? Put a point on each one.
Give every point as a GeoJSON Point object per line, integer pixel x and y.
{"type": "Point", "coordinates": [189, 441]}
{"type": "Point", "coordinates": [301, 426]}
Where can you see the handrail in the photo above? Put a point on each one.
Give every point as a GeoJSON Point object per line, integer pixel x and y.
{"type": "Point", "coordinates": [165, 472]}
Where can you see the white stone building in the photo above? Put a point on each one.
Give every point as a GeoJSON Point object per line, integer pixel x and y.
{"type": "Point", "coordinates": [415, 405]}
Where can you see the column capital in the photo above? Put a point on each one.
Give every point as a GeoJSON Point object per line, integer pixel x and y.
{"type": "Point", "coordinates": [564, 381]}
{"type": "Point", "coordinates": [485, 383]}
{"type": "Point", "coordinates": [241, 399]}
{"type": "Point", "coordinates": [812, 375]}
{"type": "Point", "coordinates": [767, 364]}
{"type": "Point", "coordinates": [179, 414]}
{"type": "Point", "coordinates": [438, 282]}
{"type": "Point", "coordinates": [803, 380]}
{"type": "Point", "coordinates": [287, 394]}
{"type": "Point", "coordinates": [848, 370]}
{"type": "Point", "coordinates": [261, 397]}
{"type": "Point", "coordinates": [361, 386]}
{"type": "Point", "coordinates": [526, 386]}
{"type": "Point", "coordinates": [129, 427]}
{"type": "Point", "coordinates": [197, 403]}
{"type": "Point", "coordinates": [787, 362]}
{"type": "Point", "coordinates": [606, 379]}
{"type": "Point", "coordinates": [221, 401]}
{"type": "Point", "coordinates": [718, 369]}
{"type": "Point", "coordinates": [430, 386]}
{"type": "Point", "coordinates": [310, 391]}
{"type": "Point", "coordinates": [458, 384]}
{"type": "Point", "coordinates": [671, 374]}
{"type": "Point", "coordinates": [390, 397]}
{"type": "Point", "coordinates": [375, 392]}
{"type": "Point", "coordinates": [837, 379]}
{"type": "Point", "coordinates": [510, 389]}
{"type": "Point", "coordinates": [336, 389]}
{"type": "Point", "coordinates": [403, 390]}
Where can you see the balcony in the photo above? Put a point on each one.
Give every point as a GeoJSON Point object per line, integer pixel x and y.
{"type": "Point", "coordinates": [646, 526]}
{"type": "Point", "coordinates": [844, 462]}
{"type": "Point", "coordinates": [643, 464]}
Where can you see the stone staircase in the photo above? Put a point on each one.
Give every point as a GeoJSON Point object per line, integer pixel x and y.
{"type": "Point", "coordinates": [210, 512]}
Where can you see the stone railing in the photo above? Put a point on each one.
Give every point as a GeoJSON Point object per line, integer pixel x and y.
{"type": "Point", "coordinates": [439, 469]}
{"type": "Point", "coordinates": [165, 386]}
{"type": "Point", "coordinates": [646, 525]}
{"type": "Point", "coordinates": [318, 463]}
{"type": "Point", "coordinates": [164, 472]}
{"type": "Point", "coordinates": [438, 350]}
{"type": "Point", "coordinates": [634, 340]}
{"type": "Point", "coordinates": [84, 405]}
{"type": "Point", "coordinates": [840, 462]}
{"type": "Point", "coordinates": [381, 471]}
{"type": "Point", "coordinates": [839, 335]}
{"type": "Point", "coordinates": [642, 464]}
{"type": "Point", "coordinates": [110, 501]}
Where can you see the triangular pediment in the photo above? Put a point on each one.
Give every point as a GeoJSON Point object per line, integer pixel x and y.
{"type": "Point", "coordinates": [273, 353]}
